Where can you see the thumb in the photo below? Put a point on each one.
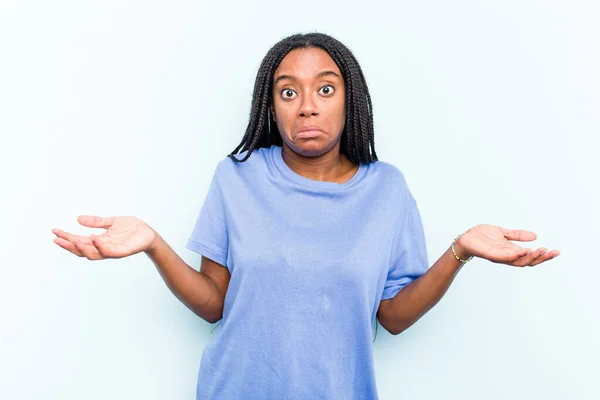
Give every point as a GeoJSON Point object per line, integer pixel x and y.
{"type": "Point", "coordinates": [519, 235]}
{"type": "Point", "coordinates": [95, 222]}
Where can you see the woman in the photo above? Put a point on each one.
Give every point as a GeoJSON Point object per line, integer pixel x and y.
{"type": "Point", "coordinates": [305, 239]}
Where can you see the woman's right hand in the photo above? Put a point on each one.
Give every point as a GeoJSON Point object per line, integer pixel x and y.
{"type": "Point", "coordinates": [124, 236]}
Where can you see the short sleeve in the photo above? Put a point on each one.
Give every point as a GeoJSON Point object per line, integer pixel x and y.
{"type": "Point", "coordinates": [209, 236]}
{"type": "Point", "coordinates": [408, 259]}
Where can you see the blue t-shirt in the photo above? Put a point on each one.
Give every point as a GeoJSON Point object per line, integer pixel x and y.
{"type": "Point", "coordinates": [310, 262]}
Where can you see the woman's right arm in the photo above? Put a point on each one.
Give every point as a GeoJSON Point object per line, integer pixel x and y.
{"type": "Point", "coordinates": [202, 292]}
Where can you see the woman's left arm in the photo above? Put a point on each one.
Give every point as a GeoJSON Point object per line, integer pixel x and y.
{"type": "Point", "coordinates": [484, 241]}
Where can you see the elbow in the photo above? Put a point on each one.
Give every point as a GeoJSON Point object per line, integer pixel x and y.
{"type": "Point", "coordinates": [211, 316]}
{"type": "Point", "coordinates": [212, 320]}
{"type": "Point", "coordinates": [393, 329]}
{"type": "Point", "coordinates": [396, 331]}
{"type": "Point", "coordinates": [395, 326]}
{"type": "Point", "coordinates": [391, 320]}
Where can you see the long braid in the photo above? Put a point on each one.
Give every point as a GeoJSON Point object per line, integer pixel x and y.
{"type": "Point", "coordinates": [358, 138]}
{"type": "Point", "coordinates": [362, 123]}
{"type": "Point", "coordinates": [367, 125]}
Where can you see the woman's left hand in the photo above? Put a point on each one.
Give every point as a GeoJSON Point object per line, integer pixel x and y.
{"type": "Point", "coordinates": [492, 243]}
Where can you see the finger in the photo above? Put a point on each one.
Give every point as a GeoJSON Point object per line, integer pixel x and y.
{"type": "Point", "coordinates": [87, 249]}
{"type": "Point", "coordinates": [60, 233]}
{"type": "Point", "coordinates": [69, 236]}
{"type": "Point", "coordinates": [508, 253]}
{"type": "Point", "coordinates": [65, 244]}
{"type": "Point", "coordinates": [93, 221]}
{"type": "Point", "coordinates": [101, 245]}
{"type": "Point", "coordinates": [519, 235]}
{"type": "Point", "coordinates": [549, 255]}
{"type": "Point", "coordinates": [529, 258]}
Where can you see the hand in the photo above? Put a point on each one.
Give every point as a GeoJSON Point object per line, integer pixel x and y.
{"type": "Point", "coordinates": [124, 236]}
{"type": "Point", "coordinates": [492, 243]}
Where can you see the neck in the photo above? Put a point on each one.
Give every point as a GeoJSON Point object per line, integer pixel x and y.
{"type": "Point", "coordinates": [331, 166]}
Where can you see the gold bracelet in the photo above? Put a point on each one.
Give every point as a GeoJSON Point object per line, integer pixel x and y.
{"type": "Point", "coordinates": [453, 252]}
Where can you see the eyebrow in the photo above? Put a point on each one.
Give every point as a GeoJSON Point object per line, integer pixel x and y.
{"type": "Point", "coordinates": [319, 75]}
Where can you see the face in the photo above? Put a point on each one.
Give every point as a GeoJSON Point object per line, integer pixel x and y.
{"type": "Point", "coordinates": [309, 101]}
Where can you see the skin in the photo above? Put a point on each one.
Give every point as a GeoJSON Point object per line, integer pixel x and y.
{"type": "Point", "coordinates": [484, 241]}
{"type": "Point", "coordinates": [308, 90]}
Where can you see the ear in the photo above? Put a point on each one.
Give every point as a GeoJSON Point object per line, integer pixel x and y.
{"type": "Point", "coordinates": [272, 107]}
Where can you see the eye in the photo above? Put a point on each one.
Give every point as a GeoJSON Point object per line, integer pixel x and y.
{"type": "Point", "coordinates": [327, 90]}
{"type": "Point", "coordinates": [288, 94]}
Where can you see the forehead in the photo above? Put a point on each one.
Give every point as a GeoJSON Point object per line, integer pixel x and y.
{"type": "Point", "coordinates": [306, 63]}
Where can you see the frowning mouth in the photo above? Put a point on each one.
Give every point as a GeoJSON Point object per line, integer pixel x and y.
{"type": "Point", "coordinates": [309, 131]}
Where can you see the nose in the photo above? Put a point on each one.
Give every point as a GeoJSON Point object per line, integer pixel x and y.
{"type": "Point", "coordinates": [308, 107]}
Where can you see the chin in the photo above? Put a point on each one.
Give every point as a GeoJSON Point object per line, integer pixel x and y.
{"type": "Point", "coordinates": [310, 148]}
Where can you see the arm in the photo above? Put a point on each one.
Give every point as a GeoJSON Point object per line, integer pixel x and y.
{"type": "Point", "coordinates": [202, 292]}
{"type": "Point", "coordinates": [485, 241]}
{"type": "Point", "coordinates": [419, 296]}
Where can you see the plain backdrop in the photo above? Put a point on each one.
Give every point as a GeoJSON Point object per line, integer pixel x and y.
{"type": "Point", "coordinates": [490, 109]}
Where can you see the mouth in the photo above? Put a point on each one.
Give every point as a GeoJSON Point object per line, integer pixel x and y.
{"type": "Point", "coordinates": [307, 132]}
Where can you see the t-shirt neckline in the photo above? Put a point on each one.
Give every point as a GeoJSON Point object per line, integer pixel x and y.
{"type": "Point", "coordinates": [287, 172]}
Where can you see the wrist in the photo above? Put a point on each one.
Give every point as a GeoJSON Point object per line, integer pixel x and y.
{"type": "Point", "coordinates": [154, 244]}
{"type": "Point", "coordinates": [460, 252]}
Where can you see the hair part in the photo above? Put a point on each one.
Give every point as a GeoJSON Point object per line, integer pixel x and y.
{"type": "Point", "coordinates": [357, 141]}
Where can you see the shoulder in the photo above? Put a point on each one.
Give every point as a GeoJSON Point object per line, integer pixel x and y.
{"type": "Point", "coordinates": [389, 173]}
{"type": "Point", "coordinates": [390, 180]}
{"type": "Point", "coordinates": [229, 168]}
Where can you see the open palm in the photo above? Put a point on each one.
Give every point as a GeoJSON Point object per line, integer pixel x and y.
{"type": "Point", "coordinates": [123, 237]}
{"type": "Point", "coordinates": [492, 243]}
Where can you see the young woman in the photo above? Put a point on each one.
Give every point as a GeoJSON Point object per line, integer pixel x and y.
{"type": "Point", "coordinates": [305, 239]}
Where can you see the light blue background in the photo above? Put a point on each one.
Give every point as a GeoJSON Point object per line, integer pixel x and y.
{"type": "Point", "coordinates": [124, 108]}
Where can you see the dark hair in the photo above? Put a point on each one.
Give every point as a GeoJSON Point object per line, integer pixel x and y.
{"type": "Point", "coordinates": [357, 141]}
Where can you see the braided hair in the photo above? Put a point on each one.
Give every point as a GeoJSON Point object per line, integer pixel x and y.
{"type": "Point", "coordinates": [357, 140]}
